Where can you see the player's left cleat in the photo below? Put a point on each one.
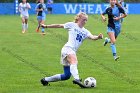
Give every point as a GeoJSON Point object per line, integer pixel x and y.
{"type": "Point", "coordinates": [116, 58]}
{"type": "Point", "coordinates": [78, 82]}
{"type": "Point", "coordinates": [106, 41]}
{"type": "Point", "coordinates": [44, 82]}
{"type": "Point", "coordinates": [37, 30]}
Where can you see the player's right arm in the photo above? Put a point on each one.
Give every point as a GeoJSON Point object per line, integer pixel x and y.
{"type": "Point", "coordinates": [19, 9]}
{"type": "Point", "coordinates": [53, 26]}
{"type": "Point", "coordinates": [103, 15]}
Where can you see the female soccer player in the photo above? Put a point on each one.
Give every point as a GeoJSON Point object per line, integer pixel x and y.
{"type": "Point", "coordinates": [23, 9]}
{"type": "Point", "coordinates": [77, 34]}
{"type": "Point", "coordinates": [41, 15]}
{"type": "Point", "coordinates": [114, 25]}
{"type": "Point", "coordinates": [49, 6]}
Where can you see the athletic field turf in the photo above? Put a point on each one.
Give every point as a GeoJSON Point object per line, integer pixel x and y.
{"type": "Point", "coordinates": [26, 58]}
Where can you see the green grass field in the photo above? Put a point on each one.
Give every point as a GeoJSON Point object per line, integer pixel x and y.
{"type": "Point", "coordinates": [26, 58]}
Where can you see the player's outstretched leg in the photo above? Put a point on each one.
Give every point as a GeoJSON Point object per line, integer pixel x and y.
{"type": "Point", "coordinates": [58, 77]}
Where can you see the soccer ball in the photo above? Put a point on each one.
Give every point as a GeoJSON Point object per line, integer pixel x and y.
{"type": "Point", "coordinates": [90, 82]}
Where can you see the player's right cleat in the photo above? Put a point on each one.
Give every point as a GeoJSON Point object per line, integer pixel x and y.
{"type": "Point", "coordinates": [106, 41]}
{"type": "Point", "coordinates": [43, 33]}
{"type": "Point", "coordinates": [23, 31]}
{"type": "Point", "coordinates": [78, 82]}
{"type": "Point", "coordinates": [44, 82]}
{"type": "Point", "coordinates": [116, 58]}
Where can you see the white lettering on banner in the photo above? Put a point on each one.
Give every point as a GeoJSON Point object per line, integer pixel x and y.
{"type": "Point", "coordinates": [82, 7]}
{"type": "Point", "coordinates": [70, 9]}
{"type": "Point", "coordinates": [98, 9]}
{"type": "Point", "coordinates": [106, 6]}
{"type": "Point", "coordinates": [88, 8]}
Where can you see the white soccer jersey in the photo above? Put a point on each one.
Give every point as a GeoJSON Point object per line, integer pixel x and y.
{"type": "Point", "coordinates": [76, 35]}
{"type": "Point", "coordinates": [23, 8]}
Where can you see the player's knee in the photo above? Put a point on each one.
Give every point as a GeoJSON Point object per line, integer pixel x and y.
{"type": "Point", "coordinates": [74, 62]}
{"type": "Point", "coordinates": [113, 41]}
{"type": "Point", "coordinates": [65, 76]}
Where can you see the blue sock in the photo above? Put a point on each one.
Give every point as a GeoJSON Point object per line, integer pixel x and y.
{"type": "Point", "coordinates": [67, 73]}
{"type": "Point", "coordinates": [113, 47]}
{"type": "Point", "coordinates": [43, 30]}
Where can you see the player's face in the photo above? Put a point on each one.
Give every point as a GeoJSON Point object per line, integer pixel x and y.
{"type": "Point", "coordinates": [24, 1]}
{"type": "Point", "coordinates": [41, 1]}
{"type": "Point", "coordinates": [82, 20]}
{"type": "Point", "coordinates": [112, 2]}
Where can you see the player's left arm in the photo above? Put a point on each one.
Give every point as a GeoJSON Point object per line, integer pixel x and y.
{"type": "Point", "coordinates": [28, 6]}
{"type": "Point", "coordinates": [96, 37]}
{"type": "Point", "coordinates": [53, 26]}
{"type": "Point", "coordinates": [123, 15]}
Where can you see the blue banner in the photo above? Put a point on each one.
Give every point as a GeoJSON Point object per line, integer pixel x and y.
{"type": "Point", "coordinates": [71, 8]}
{"type": "Point", "coordinates": [16, 6]}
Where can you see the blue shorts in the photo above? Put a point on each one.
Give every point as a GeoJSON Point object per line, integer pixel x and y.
{"type": "Point", "coordinates": [116, 30]}
{"type": "Point", "coordinates": [41, 18]}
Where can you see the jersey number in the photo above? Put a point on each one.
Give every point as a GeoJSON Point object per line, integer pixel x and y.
{"type": "Point", "coordinates": [79, 38]}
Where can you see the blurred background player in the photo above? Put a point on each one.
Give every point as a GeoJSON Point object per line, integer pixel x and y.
{"type": "Point", "coordinates": [49, 6]}
{"type": "Point", "coordinates": [123, 4]}
{"type": "Point", "coordinates": [41, 15]}
{"type": "Point", "coordinates": [77, 34]}
{"type": "Point", "coordinates": [23, 9]}
{"type": "Point", "coordinates": [114, 25]}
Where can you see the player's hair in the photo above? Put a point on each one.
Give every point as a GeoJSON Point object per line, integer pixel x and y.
{"type": "Point", "coordinates": [79, 15]}
{"type": "Point", "coordinates": [37, 1]}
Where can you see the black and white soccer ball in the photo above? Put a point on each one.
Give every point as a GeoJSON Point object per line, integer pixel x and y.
{"type": "Point", "coordinates": [90, 82]}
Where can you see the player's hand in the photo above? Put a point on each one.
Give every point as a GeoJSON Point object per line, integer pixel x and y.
{"type": "Point", "coordinates": [41, 9]}
{"type": "Point", "coordinates": [104, 18]}
{"type": "Point", "coordinates": [100, 36]}
{"type": "Point", "coordinates": [116, 18]}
